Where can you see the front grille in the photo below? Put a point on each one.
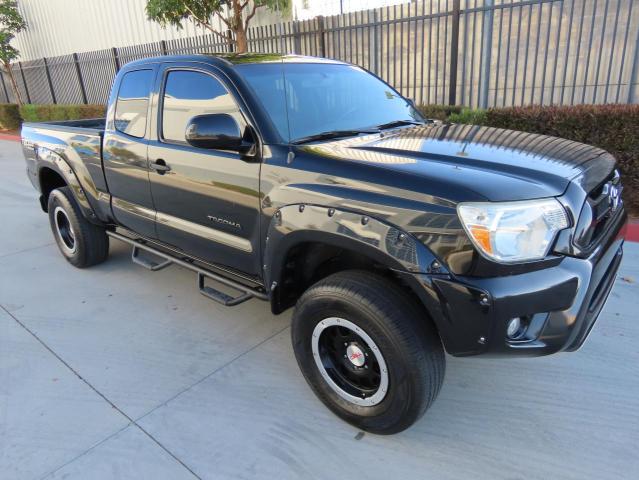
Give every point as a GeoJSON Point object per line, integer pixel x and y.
{"type": "Point", "coordinates": [602, 205]}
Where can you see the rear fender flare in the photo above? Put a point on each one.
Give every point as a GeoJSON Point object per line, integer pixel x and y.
{"type": "Point", "coordinates": [47, 158]}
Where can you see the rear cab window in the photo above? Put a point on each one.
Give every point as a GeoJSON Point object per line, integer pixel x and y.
{"type": "Point", "coordinates": [131, 109]}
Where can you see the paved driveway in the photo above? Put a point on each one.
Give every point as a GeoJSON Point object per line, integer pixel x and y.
{"type": "Point", "coordinates": [117, 372]}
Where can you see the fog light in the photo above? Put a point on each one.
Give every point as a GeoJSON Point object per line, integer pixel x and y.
{"type": "Point", "coordinates": [514, 327]}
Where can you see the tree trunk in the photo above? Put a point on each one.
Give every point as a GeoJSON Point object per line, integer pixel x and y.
{"type": "Point", "coordinates": [241, 44]}
{"type": "Point", "coordinates": [14, 85]}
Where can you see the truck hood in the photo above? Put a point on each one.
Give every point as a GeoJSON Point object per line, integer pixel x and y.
{"type": "Point", "coordinates": [477, 162]}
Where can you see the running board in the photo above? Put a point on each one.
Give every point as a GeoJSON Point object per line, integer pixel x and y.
{"type": "Point", "coordinates": [148, 263]}
{"type": "Point", "coordinates": [246, 293]}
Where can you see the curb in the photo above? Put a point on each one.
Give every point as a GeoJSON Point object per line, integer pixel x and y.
{"type": "Point", "coordinates": [632, 233]}
{"type": "Point", "coordinates": [10, 137]}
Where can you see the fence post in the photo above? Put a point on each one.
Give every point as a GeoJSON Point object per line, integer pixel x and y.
{"type": "Point", "coordinates": [163, 47]}
{"type": "Point", "coordinates": [4, 86]}
{"type": "Point", "coordinates": [634, 76]}
{"type": "Point", "coordinates": [46, 70]}
{"type": "Point", "coordinates": [79, 72]}
{"type": "Point", "coordinates": [231, 46]}
{"type": "Point", "coordinates": [297, 38]}
{"type": "Point", "coordinates": [24, 81]}
{"type": "Point", "coordinates": [320, 32]}
{"type": "Point", "coordinates": [116, 59]}
{"type": "Point", "coordinates": [454, 53]}
{"type": "Point", "coordinates": [487, 36]}
{"type": "Point", "coordinates": [373, 40]}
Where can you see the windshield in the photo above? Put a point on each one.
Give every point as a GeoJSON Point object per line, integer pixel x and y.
{"type": "Point", "coordinates": [307, 99]}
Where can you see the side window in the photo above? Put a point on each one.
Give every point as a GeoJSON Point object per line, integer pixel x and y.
{"type": "Point", "coordinates": [187, 94]}
{"type": "Point", "coordinates": [132, 102]}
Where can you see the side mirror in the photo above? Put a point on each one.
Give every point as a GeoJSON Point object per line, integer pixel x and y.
{"type": "Point", "coordinates": [217, 131]}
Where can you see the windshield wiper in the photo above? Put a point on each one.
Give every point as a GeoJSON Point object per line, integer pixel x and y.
{"type": "Point", "coordinates": [398, 123]}
{"type": "Point", "coordinates": [331, 134]}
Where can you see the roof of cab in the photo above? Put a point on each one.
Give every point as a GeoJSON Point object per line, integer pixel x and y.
{"type": "Point", "coordinates": [230, 59]}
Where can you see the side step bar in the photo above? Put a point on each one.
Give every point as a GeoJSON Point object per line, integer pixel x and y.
{"type": "Point", "coordinates": [246, 293]}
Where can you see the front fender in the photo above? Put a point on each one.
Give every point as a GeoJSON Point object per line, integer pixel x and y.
{"type": "Point", "coordinates": [384, 243]}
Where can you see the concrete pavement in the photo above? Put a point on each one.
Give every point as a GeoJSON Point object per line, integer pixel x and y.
{"type": "Point", "coordinates": [117, 372]}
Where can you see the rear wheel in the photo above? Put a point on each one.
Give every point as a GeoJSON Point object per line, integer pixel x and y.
{"type": "Point", "coordinates": [367, 351]}
{"type": "Point", "coordinates": [81, 242]}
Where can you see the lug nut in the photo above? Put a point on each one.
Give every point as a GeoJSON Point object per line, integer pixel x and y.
{"type": "Point", "coordinates": [365, 220]}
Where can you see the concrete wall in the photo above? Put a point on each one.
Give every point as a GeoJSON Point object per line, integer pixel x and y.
{"type": "Point", "coordinates": [59, 27]}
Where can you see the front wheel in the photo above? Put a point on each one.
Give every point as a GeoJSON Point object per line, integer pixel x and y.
{"type": "Point", "coordinates": [367, 350]}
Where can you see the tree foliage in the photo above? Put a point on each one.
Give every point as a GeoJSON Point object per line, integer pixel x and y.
{"type": "Point", "coordinates": [11, 23]}
{"type": "Point", "coordinates": [234, 14]}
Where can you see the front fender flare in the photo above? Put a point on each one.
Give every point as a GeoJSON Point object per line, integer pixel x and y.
{"type": "Point", "coordinates": [384, 243]}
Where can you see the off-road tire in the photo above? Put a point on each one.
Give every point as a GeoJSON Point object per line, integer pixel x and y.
{"type": "Point", "coordinates": [400, 329]}
{"type": "Point", "coordinates": [81, 242]}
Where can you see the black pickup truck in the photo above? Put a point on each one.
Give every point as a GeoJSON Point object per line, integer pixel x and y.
{"type": "Point", "coordinates": [312, 183]}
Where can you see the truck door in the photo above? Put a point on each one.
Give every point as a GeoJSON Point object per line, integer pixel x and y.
{"type": "Point", "coordinates": [207, 200]}
{"type": "Point", "coordinates": [125, 150]}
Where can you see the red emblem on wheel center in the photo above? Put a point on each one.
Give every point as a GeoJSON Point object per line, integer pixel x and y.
{"type": "Point", "coordinates": [355, 355]}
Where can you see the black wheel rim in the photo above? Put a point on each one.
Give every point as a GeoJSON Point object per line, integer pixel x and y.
{"type": "Point", "coordinates": [64, 229]}
{"type": "Point", "coordinates": [350, 361]}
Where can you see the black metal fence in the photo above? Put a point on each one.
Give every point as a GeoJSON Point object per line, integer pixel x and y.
{"type": "Point", "coordinates": [479, 53]}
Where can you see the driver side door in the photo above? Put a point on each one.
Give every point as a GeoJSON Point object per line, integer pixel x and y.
{"type": "Point", "coordinates": [207, 200]}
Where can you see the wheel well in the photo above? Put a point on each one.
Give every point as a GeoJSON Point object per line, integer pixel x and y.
{"type": "Point", "coordinates": [307, 263]}
{"type": "Point", "coordinates": [49, 181]}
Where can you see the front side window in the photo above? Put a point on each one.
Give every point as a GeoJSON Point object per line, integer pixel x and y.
{"type": "Point", "coordinates": [190, 93]}
{"type": "Point", "coordinates": [132, 103]}
{"type": "Point", "coordinates": [306, 99]}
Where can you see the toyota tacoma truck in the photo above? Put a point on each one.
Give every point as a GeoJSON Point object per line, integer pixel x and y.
{"type": "Point", "coordinates": [311, 183]}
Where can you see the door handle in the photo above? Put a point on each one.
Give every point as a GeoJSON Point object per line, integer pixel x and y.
{"type": "Point", "coordinates": [160, 166]}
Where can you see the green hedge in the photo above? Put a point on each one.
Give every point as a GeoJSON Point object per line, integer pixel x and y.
{"type": "Point", "coordinates": [615, 128]}
{"type": "Point", "coordinates": [439, 112]}
{"type": "Point", "coordinates": [9, 116]}
{"type": "Point", "coordinates": [46, 113]}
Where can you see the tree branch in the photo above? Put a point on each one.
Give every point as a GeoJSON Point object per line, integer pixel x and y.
{"type": "Point", "coordinates": [197, 19]}
{"type": "Point", "coordinates": [221, 17]}
{"type": "Point", "coordinates": [209, 27]}
{"type": "Point", "coordinates": [250, 15]}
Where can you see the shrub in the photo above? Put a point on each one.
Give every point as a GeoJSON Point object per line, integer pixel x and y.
{"type": "Point", "coordinates": [614, 128]}
{"type": "Point", "coordinates": [48, 113]}
{"type": "Point", "coordinates": [9, 116]}
{"type": "Point", "coordinates": [439, 112]}
{"type": "Point", "coordinates": [469, 116]}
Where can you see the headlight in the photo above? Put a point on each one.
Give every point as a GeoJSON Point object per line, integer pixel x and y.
{"type": "Point", "coordinates": [510, 232]}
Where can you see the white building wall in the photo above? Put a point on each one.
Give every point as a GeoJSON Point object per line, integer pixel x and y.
{"type": "Point", "coordinates": [59, 27]}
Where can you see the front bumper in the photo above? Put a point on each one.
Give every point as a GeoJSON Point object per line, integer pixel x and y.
{"type": "Point", "coordinates": [560, 303]}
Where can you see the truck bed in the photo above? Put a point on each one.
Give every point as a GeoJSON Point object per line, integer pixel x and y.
{"type": "Point", "coordinates": [79, 142]}
{"type": "Point", "coordinates": [86, 125]}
